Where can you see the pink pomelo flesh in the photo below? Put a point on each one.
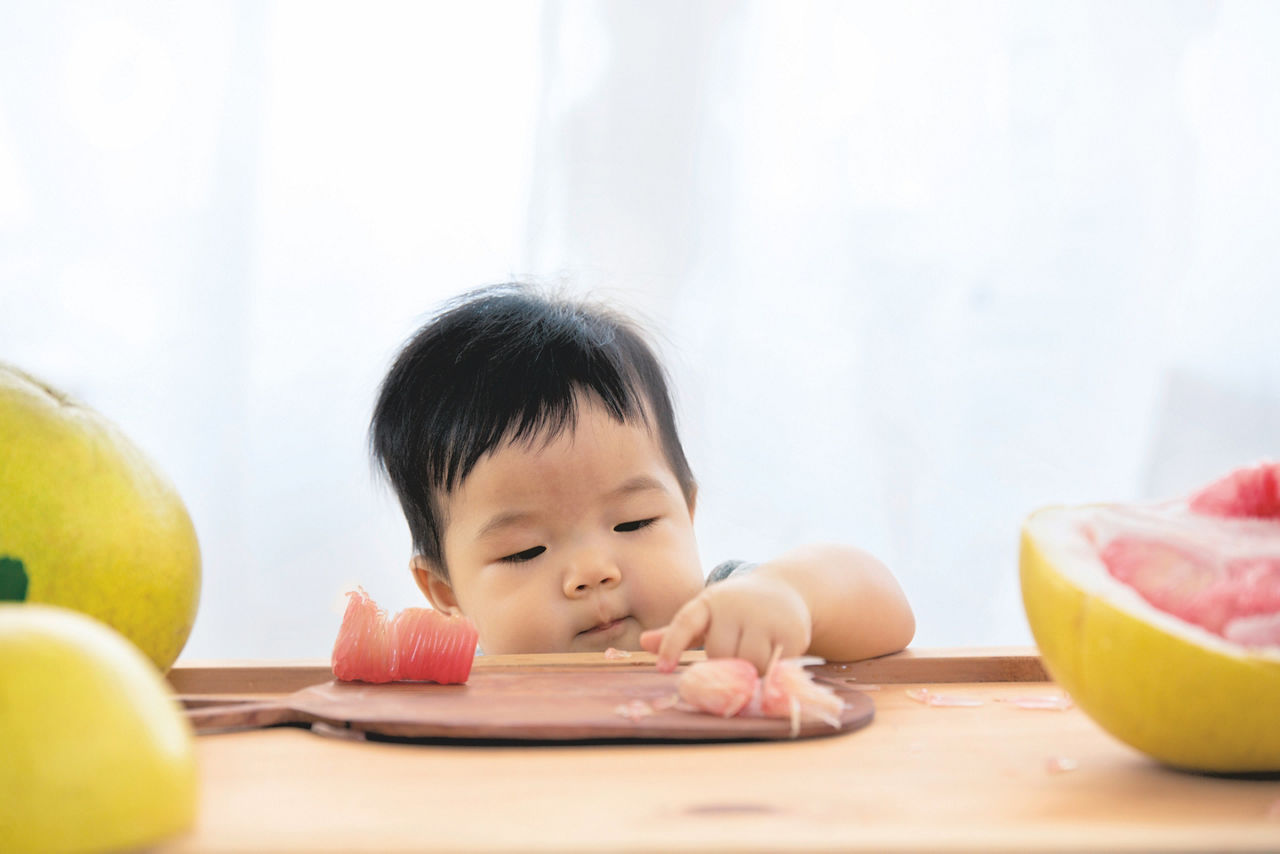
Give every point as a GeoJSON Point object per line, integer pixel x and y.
{"type": "Point", "coordinates": [732, 686]}
{"type": "Point", "coordinates": [1212, 560]}
{"type": "Point", "coordinates": [433, 647]}
{"type": "Point", "coordinates": [362, 650]}
{"type": "Point", "coordinates": [418, 645]}
{"type": "Point", "coordinates": [1245, 493]}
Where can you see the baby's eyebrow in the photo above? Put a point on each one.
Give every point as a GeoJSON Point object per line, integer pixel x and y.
{"type": "Point", "coordinates": [503, 520]}
{"type": "Point", "coordinates": [639, 483]}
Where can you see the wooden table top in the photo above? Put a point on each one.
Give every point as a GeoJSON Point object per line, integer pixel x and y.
{"type": "Point", "coordinates": [992, 776]}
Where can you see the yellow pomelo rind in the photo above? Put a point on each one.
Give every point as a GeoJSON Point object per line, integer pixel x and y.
{"type": "Point", "coordinates": [97, 755]}
{"type": "Point", "coordinates": [1163, 686]}
{"type": "Point", "coordinates": [96, 526]}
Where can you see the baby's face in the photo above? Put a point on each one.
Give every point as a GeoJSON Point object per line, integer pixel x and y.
{"type": "Point", "coordinates": [577, 545]}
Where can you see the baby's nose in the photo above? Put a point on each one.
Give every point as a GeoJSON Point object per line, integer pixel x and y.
{"type": "Point", "coordinates": [589, 572]}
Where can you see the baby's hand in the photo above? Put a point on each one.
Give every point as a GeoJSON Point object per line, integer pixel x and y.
{"type": "Point", "coordinates": [736, 618]}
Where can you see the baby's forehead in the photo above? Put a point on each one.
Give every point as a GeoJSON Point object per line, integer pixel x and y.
{"type": "Point", "coordinates": [595, 445]}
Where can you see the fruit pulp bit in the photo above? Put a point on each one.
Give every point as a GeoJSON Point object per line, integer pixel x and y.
{"type": "Point", "coordinates": [930, 698]}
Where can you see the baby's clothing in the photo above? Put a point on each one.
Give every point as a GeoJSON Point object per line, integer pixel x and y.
{"type": "Point", "coordinates": [729, 567]}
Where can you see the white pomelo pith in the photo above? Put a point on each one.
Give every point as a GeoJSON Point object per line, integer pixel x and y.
{"type": "Point", "coordinates": [1165, 686]}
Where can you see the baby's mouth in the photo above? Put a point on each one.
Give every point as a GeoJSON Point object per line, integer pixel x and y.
{"type": "Point", "coordinates": [603, 628]}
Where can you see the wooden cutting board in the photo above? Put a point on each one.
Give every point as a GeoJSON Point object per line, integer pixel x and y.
{"type": "Point", "coordinates": [554, 704]}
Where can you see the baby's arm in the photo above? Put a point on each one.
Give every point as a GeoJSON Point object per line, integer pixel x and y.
{"type": "Point", "coordinates": [833, 601]}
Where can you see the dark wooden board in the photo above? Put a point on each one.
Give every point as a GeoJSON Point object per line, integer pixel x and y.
{"type": "Point", "coordinates": [515, 704]}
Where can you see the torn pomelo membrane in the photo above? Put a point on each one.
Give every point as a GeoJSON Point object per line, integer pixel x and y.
{"type": "Point", "coordinates": [1162, 620]}
{"type": "Point", "coordinates": [731, 686]}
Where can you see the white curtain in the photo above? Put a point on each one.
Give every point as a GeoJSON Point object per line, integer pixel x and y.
{"type": "Point", "coordinates": [916, 268]}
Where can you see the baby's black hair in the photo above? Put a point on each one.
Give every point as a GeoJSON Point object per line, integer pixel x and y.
{"type": "Point", "coordinates": [506, 364]}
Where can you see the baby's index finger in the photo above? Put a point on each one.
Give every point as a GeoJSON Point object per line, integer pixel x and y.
{"type": "Point", "coordinates": [651, 641]}
{"type": "Point", "coordinates": [687, 627]}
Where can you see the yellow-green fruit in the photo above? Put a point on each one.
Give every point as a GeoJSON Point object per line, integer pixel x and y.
{"type": "Point", "coordinates": [87, 522]}
{"type": "Point", "coordinates": [1164, 686]}
{"type": "Point", "coordinates": [96, 754]}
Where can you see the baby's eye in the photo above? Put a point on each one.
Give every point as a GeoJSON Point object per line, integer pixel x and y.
{"type": "Point", "coordinates": [627, 527]}
{"type": "Point", "coordinates": [527, 554]}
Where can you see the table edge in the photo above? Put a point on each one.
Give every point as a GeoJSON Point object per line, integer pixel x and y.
{"type": "Point", "coordinates": [961, 664]}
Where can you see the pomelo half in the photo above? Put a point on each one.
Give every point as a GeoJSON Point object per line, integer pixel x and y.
{"type": "Point", "coordinates": [1161, 620]}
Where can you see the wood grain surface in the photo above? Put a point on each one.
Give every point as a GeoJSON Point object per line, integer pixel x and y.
{"type": "Point", "coordinates": [987, 777]}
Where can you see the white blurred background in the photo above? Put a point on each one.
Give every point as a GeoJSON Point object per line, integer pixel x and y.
{"type": "Point", "coordinates": [916, 268]}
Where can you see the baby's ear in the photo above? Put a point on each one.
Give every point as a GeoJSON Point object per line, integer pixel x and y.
{"type": "Point", "coordinates": [438, 591]}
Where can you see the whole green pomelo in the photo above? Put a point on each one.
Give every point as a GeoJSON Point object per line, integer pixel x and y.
{"type": "Point", "coordinates": [89, 523]}
{"type": "Point", "coordinates": [96, 754]}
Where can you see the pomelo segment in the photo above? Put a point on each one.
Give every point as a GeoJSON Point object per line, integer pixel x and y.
{"type": "Point", "coordinates": [432, 647]}
{"type": "Point", "coordinates": [363, 651]}
{"type": "Point", "coordinates": [1162, 621]}
{"type": "Point", "coordinates": [417, 645]}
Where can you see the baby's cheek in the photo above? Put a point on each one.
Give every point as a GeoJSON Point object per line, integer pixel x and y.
{"type": "Point", "coordinates": [520, 630]}
{"type": "Point", "coordinates": [659, 613]}
{"type": "Point", "coordinates": [490, 642]}
{"type": "Point", "coordinates": [656, 606]}
{"type": "Point", "coordinates": [502, 629]}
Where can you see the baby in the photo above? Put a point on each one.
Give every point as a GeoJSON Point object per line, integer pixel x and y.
{"type": "Point", "coordinates": [532, 444]}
